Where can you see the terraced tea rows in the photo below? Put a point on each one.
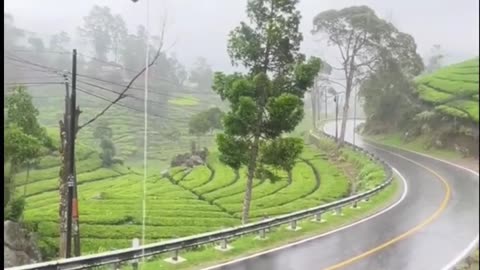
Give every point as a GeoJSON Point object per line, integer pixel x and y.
{"type": "Point", "coordinates": [453, 90]}
{"type": "Point", "coordinates": [184, 202]}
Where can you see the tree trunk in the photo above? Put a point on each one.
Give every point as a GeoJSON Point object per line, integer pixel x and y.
{"type": "Point", "coordinates": [344, 119]}
{"type": "Point", "coordinates": [314, 108]}
{"type": "Point", "coordinates": [251, 173]}
{"type": "Point", "coordinates": [289, 172]}
{"type": "Point", "coordinates": [26, 180]}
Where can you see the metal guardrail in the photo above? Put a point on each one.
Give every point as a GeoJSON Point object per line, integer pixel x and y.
{"type": "Point", "coordinates": [132, 254]}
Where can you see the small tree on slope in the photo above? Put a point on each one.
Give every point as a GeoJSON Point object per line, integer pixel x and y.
{"type": "Point", "coordinates": [267, 101]}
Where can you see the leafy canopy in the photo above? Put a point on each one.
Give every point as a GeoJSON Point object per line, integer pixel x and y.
{"type": "Point", "coordinates": [266, 101]}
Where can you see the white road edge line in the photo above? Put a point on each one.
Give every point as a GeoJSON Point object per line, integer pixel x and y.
{"type": "Point", "coordinates": [404, 194]}
{"type": "Point", "coordinates": [472, 245]}
{"type": "Point", "coordinates": [464, 253]}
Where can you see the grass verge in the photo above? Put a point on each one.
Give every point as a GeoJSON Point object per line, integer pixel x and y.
{"type": "Point", "coordinates": [417, 145]}
{"type": "Point", "coordinates": [206, 255]}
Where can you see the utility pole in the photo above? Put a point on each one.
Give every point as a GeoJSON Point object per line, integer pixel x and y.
{"type": "Point", "coordinates": [335, 98]}
{"type": "Point", "coordinates": [71, 156]}
{"type": "Point", "coordinates": [63, 173]}
{"type": "Point", "coordinates": [354, 113]}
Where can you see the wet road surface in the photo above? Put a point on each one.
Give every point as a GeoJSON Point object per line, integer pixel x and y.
{"type": "Point", "coordinates": [434, 223]}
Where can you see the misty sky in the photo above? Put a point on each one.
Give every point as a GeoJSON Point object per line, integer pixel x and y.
{"type": "Point", "coordinates": [200, 27]}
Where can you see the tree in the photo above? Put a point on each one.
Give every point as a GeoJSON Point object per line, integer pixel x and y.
{"type": "Point", "coordinates": [389, 98]}
{"type": "Point", "coordinates": [267, 101]}
{"type": "Point", "coordinates": [97, 27]}
{"type": "Point", "coordinates": [36, 44]}
{"type": "Point", "coordinates": [108, 151]}
{"type": "Point", "coordinates": [205, 121]}
{"type": "Point", "coordinates": [363, 40]}
{"type": "Point", "coordinates": [58, 42]}
{"type": "Point", "coordinates": [21, 120]}
{"type": "Point", "coordinates": [435, 59]}
{"type": "Point", "coordinates": [18, 148]}
{"type": "Point", "coordinates": [201, 74]}
{"type": "Point", "coordinates": [21, 112]}
{"type": "Point", "coordinates": [282, 153]}
{"type": "Point", "coordinates": [12, 34]}
{"type": "Point", "coordinates": [118, 32]}
{"type": "Point", "coordinates": [104, 134]}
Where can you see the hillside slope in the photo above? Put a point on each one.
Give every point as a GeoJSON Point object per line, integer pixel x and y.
{"type": "Point", "coordinates": [453, 90]}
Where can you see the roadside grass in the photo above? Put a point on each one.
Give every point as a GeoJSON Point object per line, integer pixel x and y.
{"type": "Point", "coordinates": [243, 246]}
{"type": "Point", "coordinates": [417, 145]}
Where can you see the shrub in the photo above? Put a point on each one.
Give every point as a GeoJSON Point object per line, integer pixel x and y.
{"type": "Point", "coordinates": [14, 209]}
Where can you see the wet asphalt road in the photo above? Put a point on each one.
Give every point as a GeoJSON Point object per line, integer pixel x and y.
{"type": "Point", "coordinates": [432, 246]}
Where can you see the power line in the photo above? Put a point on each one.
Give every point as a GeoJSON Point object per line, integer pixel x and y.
{"type": "Point", "coordinates": [125, 106]}
{"type": "Point", "coordinates": [59, 72]}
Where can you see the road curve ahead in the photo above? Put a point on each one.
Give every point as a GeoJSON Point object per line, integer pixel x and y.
{"type": "Point", "coordinates": [432, 227]}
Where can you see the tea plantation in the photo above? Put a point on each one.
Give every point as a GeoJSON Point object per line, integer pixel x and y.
{"type": "Point", "coordinates": [453, 90]}
{"type": "Point", "coordinates": [180, 201]}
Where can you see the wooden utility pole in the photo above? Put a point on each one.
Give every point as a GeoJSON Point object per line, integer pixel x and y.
{"type": "Point", "coordinates": [63, 175]}
{"type": "Point", "coordinates": [71, 155]}
{"type": "Point", "coordinates": [68, 184]}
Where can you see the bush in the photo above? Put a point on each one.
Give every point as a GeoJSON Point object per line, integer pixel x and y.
{"type": "Point", "coordinates": [14, 209]}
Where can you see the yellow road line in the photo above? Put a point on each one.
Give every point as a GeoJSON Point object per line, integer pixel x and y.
{"type": "Point", "coordinates": [437, 213]}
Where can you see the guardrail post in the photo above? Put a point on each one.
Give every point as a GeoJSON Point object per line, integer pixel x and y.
{"type": "Point", "coordinates": [367, 198]}
{"type": "Point", "coordinates": [338, 211]}
{"type": "Point", "coordinates": [318, 217]}
{"type": "Point", "coordinates": [355, 204]}
{"type": "Point", "coordinates": [135, 243]}
{"type": "Point", "coordinates": [116, 266]}
{"type": "Point", "coordinates": [262, 235]}
{"type": "Point", "coordinates": [223, 245]}
{"type": "Point", "coordinates": [293, 226]}
{"type": "Point", "coordinates": [175, 258]}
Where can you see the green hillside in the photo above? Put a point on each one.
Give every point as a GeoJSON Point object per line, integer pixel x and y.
{"type": "Point", "coordinates": [452, 90]}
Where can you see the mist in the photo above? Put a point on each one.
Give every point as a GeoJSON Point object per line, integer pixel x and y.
{"type": "Point", "coordinates": [200, 28]}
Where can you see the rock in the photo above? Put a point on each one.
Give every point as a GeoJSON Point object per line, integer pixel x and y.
{"type": "Point", "coordinates": [19, 246]}
{"type": "Point", "coordinates": [196, 160]}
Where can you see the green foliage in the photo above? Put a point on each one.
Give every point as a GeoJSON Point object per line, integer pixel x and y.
{"type": "Point", "coordinates": [451, 91]}
{"type": "Point", "coordinates": [14, 209]}
{"type": "Point", "coordinates": [19, 146]}
{"type": "Point", "coordinates": [205, 121]}
{"type": "Point", "coordinates": [108, 151]}
{"type": "Point", "coordinates": [282, 153]}
{"type": "Point", "coordinates": [376, 55]}
{"type": "Point", "coordinates": [21, 112]}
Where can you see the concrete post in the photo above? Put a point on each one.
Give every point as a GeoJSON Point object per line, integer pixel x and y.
{"type": "Point", "coordinates": [262, 234]}
{"type": "Point", "coordinates": [293, 225]}
{"type": "Point", "coordinates": [338, 211]}
{"type": "Point", "coordinates": [175, 255]}
{"type": "Point", "coordinates": [224, 244]}
{"type": "Point", "coordinates": [135, 243]}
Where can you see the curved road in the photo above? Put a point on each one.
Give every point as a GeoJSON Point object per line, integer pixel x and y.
{"type": "Point", "coordinates": [433, 226]}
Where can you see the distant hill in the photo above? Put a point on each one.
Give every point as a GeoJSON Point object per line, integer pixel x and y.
{"type": "Point", "coordinates": [452, 90]}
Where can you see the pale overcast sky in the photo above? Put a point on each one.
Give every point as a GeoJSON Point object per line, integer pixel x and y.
{"type": "Point", "coordinates": [200, 27]}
